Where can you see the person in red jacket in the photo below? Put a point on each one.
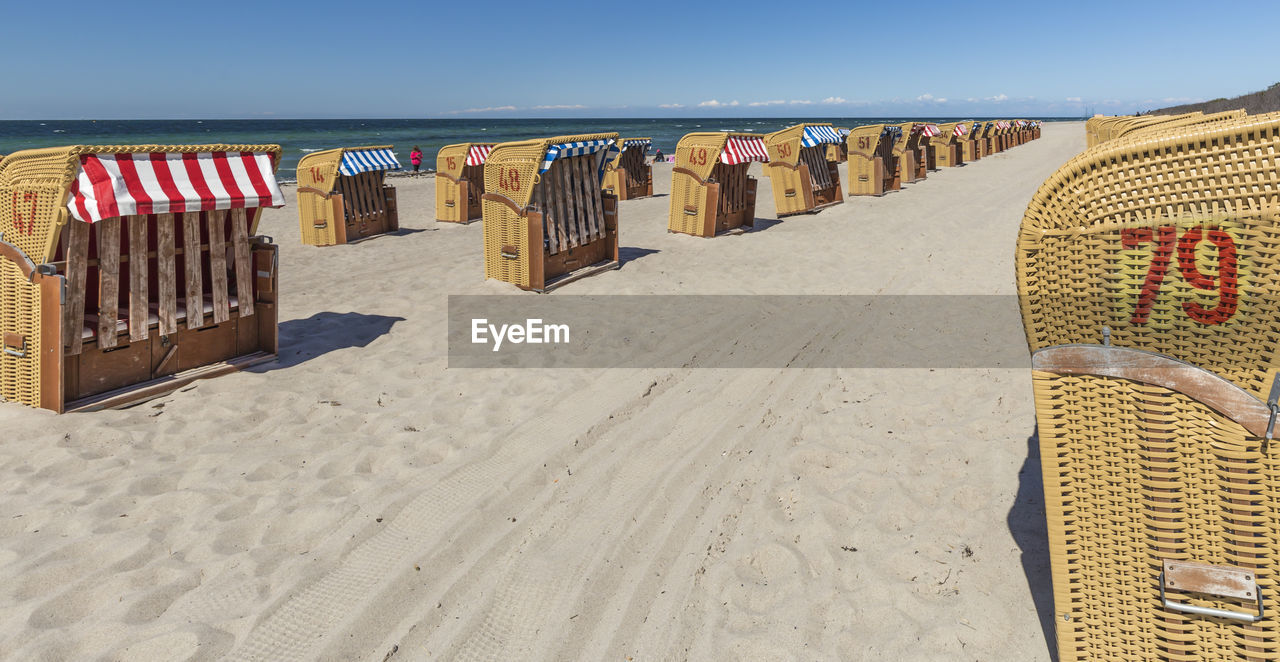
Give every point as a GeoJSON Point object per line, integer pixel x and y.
{"type": "Point", "coordinates": [415, 157]}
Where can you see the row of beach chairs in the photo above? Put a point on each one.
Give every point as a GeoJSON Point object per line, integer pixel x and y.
{"type": "Point", "coordinates": [1148, 270]}
{"type": "Point", "coordinates": [882, 157]}
{"type": "Point", "coordinates": [127, 272]}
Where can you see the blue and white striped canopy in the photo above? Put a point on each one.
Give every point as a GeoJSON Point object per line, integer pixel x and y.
{"type": "Point", "coordinates": [636, 142]}
{"type": "Point", "coordinates": [580, 148]}
{"type": "Point", "coordinates": [355, 161]}
{"type": "Point", "coordinates": [844, 133]}
{"type": "Point", "coordinates": [818, 135]}
{"type": "Point", "coordinates": [894, 132]}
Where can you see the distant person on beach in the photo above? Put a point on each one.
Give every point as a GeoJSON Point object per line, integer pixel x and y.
{"type": "Point", "coordinates": [657, 157]}
{"type": "Point", "coordinates": [415, 157]}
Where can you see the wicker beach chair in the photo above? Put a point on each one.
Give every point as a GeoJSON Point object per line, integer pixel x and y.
{"type": "Point", "coordinates": [1176, 124]}
{"type": "Point", "coordinates": [1148, 273]}
{"type": "Point", "coordinates": [803, 179]}
{"type": "Point", "coordinates": [944, 148]}
{"type": "Point", "coordinates": [171, 284]}
{"type": "Point", "coordinates": [912, 151]}
{"type": "Point", "coordinates": [460, 181]}
{"type": "Point", "coordinates": [971, 143]}
{"type": "Point", "coordinates": [343, 195]}
{"type": "Point", "coordinates": [711, 191]}
{"type": "Point", "coordinates": [873, 162]}
{"type": "Point", "coordinates": [628, 175]}
{"type": "Point", "coordinates": [547, 222]}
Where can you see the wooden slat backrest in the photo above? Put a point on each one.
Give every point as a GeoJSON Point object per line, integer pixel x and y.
{"type": "Point", "coordinates": [138, 294]}
{"type": "Point", "coordinates": [569, 195]}
{"type": "Point", "coordinates": [77, 254]}
{"type": "Point", "coordinates": [108, 280]}
{"type": "Point", "coordinates": [195, 277]}
{"type": "Point", "coordinates": [244, 261]}
{"type": "Point", "coordinates": [166, 275]}
{"type": "Point", "coordinates": [216, 223]}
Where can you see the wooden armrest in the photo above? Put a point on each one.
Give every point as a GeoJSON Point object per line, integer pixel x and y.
{"type": "Point", "coordinates": [686, 171]}
{"type": "Point", "coordinates": [498, 197]}
{"type": "Point", "coordinates": [316, 191]}
{"type": "Point", "coordinates": [15, 255]}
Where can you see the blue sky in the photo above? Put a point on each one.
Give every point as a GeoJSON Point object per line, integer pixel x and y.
{"type": "Point", "coordinates": [97, 60]}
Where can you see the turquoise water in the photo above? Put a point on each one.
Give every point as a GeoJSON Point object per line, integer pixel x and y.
{"type": "Point", "coordinates": [298, 137]}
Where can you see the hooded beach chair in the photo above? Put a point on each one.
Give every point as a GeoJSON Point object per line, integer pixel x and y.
{"type": "Point", "coordinates": [944, 148]}
{"type": "Point", "coordinates": [1148, 272]}
{"type": "Point", "coordinates": [971, 144]}
{"type": "Point", "coordinates": [127, 272]}
{"type": "Point", "coordinates": [628, 175]}
{"type": "Point", "coordinates": [343, 195]}
{"type": "Point", "coordinates": [802, 177]}
{"type": "Point", "coordinates": [460, 181]}
{"type": "Point", "coordinates": [873, 163]}
{"type": "Point", "coordinates": [911, 152]}
{"type": "Point", "coordinates": [547, 222]}
{"type": "Point", "coordinates": [710, 189]}
{"type": "Point", "coordinates": [1177, 124]}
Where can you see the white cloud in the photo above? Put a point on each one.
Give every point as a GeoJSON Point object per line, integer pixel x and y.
{"type": "Point", "coordinates": [971, 99]}
{"type": "Point", "coordinates": [716, 104]}
{"type": "Point", "coordinates": [998, 98]}
{"type": "Point", "coordinates": [671, 105]}
{"type": "Point", "coordinates": [925, 97]}
{"type": "Point", "coordinates": [488, 109]}
{"type": "Point", "coordinates": [799, 102]}
{"type": "Point", "coordinates": [776, 102]}
{"type": "Point", "coordinates": [835, 100]}
{"type": "Point", "coordinates": [576, 106]}
{"type": "Point", "coordinates": [942, 100]}
{"type": "Point", "coordinates": [1073, 99]}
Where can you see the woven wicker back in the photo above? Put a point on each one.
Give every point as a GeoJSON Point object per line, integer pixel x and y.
{"type": "Point", "coordinates": [319, 170]}
{"type": "Point", "coordinates": [784, 145]}
{"type": "Point", "coordinates": [1152, 263]}
{"type": "Point", "coordinates": [864, 141]}
{"type": "Point", "coordinates": [700, 152]}
{"type": "Point", "coordinates": [908, 139]}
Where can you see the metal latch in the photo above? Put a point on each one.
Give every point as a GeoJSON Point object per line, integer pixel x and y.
{"type": "Point", "coordinates": [15, 344]}
{"type": "Point", "coordinates": [1223, 581]}
{"type": "Point", "coordinates": [510, 252]}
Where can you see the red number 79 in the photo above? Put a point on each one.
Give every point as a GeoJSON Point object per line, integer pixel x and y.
{"type": "Point", "coordinates": [1166, 242]}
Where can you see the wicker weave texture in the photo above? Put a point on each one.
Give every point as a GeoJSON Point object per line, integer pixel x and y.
{"type": "Point", "coordinates": [1138, 473]}
{"type": "Point", "coordinates": [784, 145]}
{"type": "Point", "coordinates": [20, 310]}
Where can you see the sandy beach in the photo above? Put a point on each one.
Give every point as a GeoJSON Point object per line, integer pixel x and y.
{"type": "Point", "coordinates": [358, 500]}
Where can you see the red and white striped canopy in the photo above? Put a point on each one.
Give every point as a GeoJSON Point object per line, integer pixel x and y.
{"type": "Point", "coordinates": [744, 149]}
{"type": "Point", "coordinates": [926, 130]}
{"type": "Point", "coordinates": [960, 130]}
{"type": "Point", "coordinates": [478, 154]}
{"type": "Point", "coordinates": [112, 185]}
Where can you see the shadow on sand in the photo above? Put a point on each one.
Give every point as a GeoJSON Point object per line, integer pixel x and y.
{"type": "Point", "coordinates": [1027, 525]}
{"type": "Point", "coordinates": [305, 339]}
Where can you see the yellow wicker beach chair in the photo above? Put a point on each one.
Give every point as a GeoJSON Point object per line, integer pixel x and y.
{"type": "Point", "coordinates": [460, 181]}
{"type": "Point", "coordinates": [911, 151]}
{"type": "Point", "coordinates": [971, 143]}
{"type": "Point", "coordinates": [711, 192]}
{"type": "Point", "coordinates": [1169, 125]}
{"type": "Point", "coordinates": [547, 222]}
{"type": "Point", "coordinates": [628, 175]}
{"type": "Point", "coordinates": [802, 178]}
{"type": "Point", "coordinates": [343, 195]}
{"type": "Point", "coordinates": [127, 272]}
{"type": "Point", "coordinates": [873, 162]}
{"type": "Point", "coordinates": [1148, 272]}
{"type": "Point", "coordinates": [944, 148]}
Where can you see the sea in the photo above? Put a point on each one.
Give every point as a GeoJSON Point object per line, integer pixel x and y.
{"type": "Point", "coordinates": [299, 137]}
